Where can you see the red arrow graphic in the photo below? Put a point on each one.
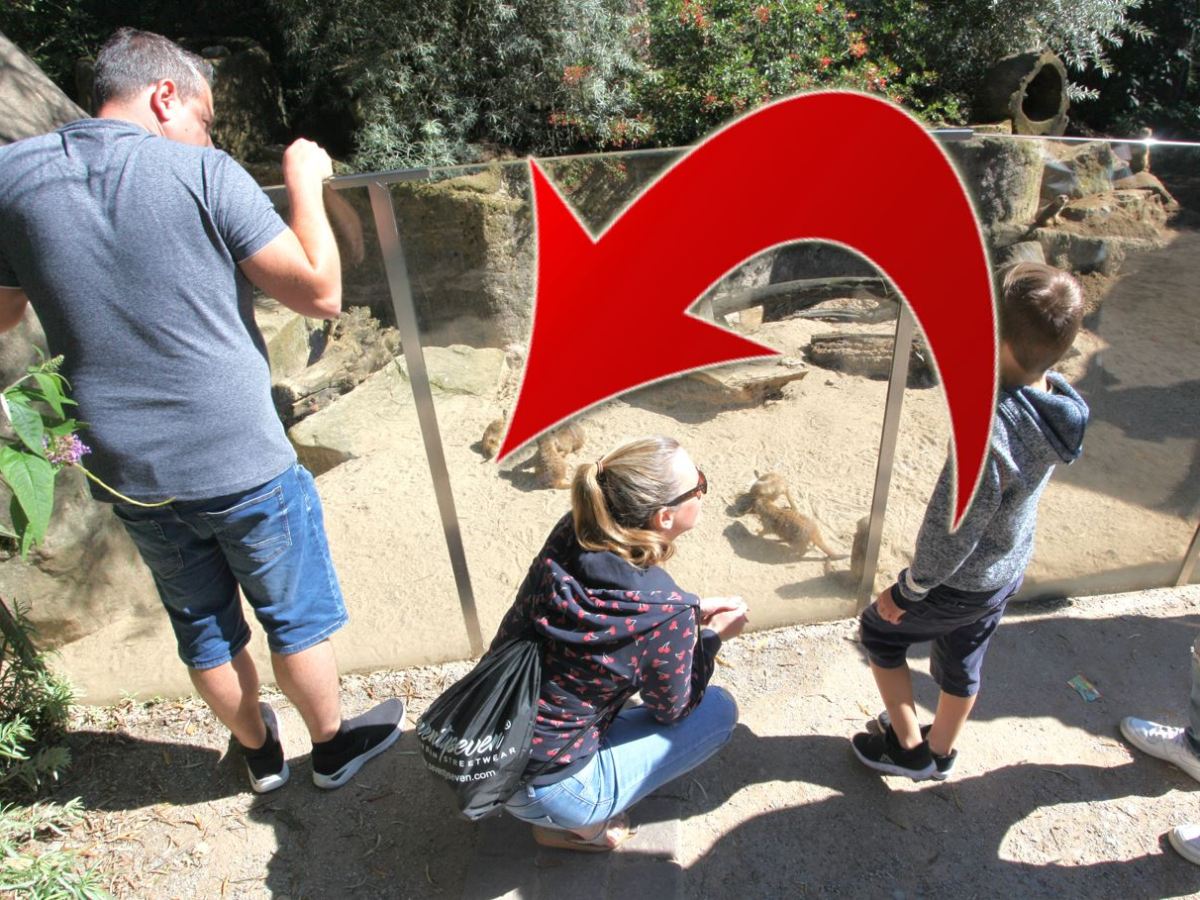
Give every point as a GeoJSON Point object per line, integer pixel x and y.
{"type": "Point", "coordinates": [610, 311]}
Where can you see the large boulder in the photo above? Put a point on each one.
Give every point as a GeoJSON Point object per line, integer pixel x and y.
{"type": "Point", "coordinates": [30, 103]}
{"type": "Point", "coordinates": [468, 249]}
{"type": "Point", "coordinates": [85, 575]}
{"type": "Point", "coordinates": [250, 120]}
{"type": "Point", "coordinates": [1002, 175]}
{"type": "Point", "coordinates": [1078, 170]}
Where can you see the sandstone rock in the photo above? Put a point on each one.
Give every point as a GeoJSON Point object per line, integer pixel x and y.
{"type": "Point", "coordinates": [1003, 127]}
{"type": "Point", "coordinates": [30, 103]}
{"type": "Point", "coordinates": [357, 423]}
{"type": "Point", "coordinates": [470, 258]}
{"type": "Point", "coordinates": [293, 341]}
{"type": "Point", "coordinates": [459, 369]}
{"type": "Point", "coordinates": [249, 101]}
{"type": "Point", "coordinates": [1085, 254]}
{"type": "Point", "coordinates": [1078, 171]}
{"type": "Point", "coordinates": [86, 572]}
{"type": "Point", "coordinates": [1144, 181]}
{"type": "Point", "coordinates": [19, 347]}
{"type": "Point", "coordinates": [1002, 176]}
{"type": "Point", "coordinates": [752, 383]}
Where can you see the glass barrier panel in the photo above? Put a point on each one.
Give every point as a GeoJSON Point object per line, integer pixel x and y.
{"type": "Point", "coordinates": [350, 414]}
{"type": "Point", "coordinates": [1121, 517]}
{"type": "Point", "coordinates": [812, 418]}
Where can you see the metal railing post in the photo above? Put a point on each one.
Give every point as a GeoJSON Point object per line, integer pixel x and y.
{"type": "Point", "coordinates": [410, 338]}
{"type": "Point", "coordinates": [897, 381]}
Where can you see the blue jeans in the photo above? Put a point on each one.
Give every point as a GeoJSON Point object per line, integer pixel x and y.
{"type": "Point", "coordinates": [637, 756]}
{"type": "Point", "coordinates": [269, 541]}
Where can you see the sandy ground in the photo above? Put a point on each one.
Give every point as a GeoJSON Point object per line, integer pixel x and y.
{"type": "Point", "coordinates": [1046, 801]}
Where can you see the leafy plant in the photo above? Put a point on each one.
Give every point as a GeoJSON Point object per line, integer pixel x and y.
{"type": "Point", "coordinates": [33, 709]}
{"type": "Point", "coordinates": [35, 406]}
{"type": "Point", "coordinates": [30, 870]}
{"type": "Point", "coordinates": [713, 59]}
{"type": "Point", "coordinates": [44, 441]}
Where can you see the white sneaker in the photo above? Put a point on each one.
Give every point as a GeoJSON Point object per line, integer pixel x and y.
{"type": "Point", "coordinates": [1162, 741]}
{"type": "Point", "coordinates": [1186, 841]}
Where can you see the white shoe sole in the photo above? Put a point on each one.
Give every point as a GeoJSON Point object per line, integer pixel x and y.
{"type": "Point", "coordinates": [892, 769]}
{"type": "Point", "coordinates": [1188, 851]}
{"type": "Point", "coordinates": [348, 771]}
{"type": "Point", "coordinates": [271, 782]}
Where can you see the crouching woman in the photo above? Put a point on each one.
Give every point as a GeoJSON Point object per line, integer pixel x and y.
{"type": "Point", "coordinates": [613, 624]}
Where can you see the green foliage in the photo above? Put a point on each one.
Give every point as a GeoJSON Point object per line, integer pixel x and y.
{"type": "Point", "coordinates": [33, 710]}
{"type": "Point", "coordinates": [958, 42]}
{"type": "Point", "coordinates": [430, 80]}
{"type": "Point", "coordinates": [35, 407]}
{"type": "Point", "coordinates": [713, 59]}
{"type": "Point", "coordinates": [1155, 82]}
{"type": "Point", "coordinates": [29, 868]}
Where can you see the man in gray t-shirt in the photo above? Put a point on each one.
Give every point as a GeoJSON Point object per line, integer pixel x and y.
{"type": "Point", "coordinates": [139, 246]}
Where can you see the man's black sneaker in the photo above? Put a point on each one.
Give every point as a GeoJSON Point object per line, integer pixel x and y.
{"type": "Point", "coordinates": [945, 764]}
{"type": "Point", "coordinates": [359, 739]}
{"type": "Point", "coordinates": [266, 766]}
{"type": "Point", "coordinates": [883, 753]}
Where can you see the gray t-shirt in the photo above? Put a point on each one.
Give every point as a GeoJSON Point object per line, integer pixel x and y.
{"type": "Point", "coordinates": [127, 245]}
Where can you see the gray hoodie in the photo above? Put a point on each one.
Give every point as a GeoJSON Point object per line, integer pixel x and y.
{"type": "Point", "coordinates": [1033, 431]}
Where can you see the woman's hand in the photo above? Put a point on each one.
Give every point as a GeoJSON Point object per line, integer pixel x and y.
{"type": "Point", "coordinates": [727, 618]}
{"type": "Point", "coordinates": [709, 606]}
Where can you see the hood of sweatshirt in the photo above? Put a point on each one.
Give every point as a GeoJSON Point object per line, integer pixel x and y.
{"type": "Point", "coordinates": [1049, 424]}
{"type": "Point", "coordinates": [596, 598]}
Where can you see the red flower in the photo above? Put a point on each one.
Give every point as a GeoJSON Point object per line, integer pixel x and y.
{"type": "Point", "coordinates": [763, 14]}
{"type": "Point", "coordinates": [826, 62]}
{"type": "Point", "coordinates": [820, 8]}
{"type": "Point", "coordinates": [858, 49]}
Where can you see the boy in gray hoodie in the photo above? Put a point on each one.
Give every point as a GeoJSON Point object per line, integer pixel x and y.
{"type": "Point", "coordinates": [955, 591]}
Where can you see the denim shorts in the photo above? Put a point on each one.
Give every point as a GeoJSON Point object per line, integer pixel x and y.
{"type": "Point", "coordinates": [269, 541]}
{"type": "Point", "coordinates": [959, 623]}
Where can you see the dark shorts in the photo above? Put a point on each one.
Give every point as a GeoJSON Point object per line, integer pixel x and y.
{"type": "Point", "coordinates": [269, 541]}
{"type": "Point", "coordinates": [959, 623]}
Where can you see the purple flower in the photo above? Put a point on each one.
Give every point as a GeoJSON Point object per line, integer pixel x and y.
{"type": "Point", "coordinates": [66, 450]}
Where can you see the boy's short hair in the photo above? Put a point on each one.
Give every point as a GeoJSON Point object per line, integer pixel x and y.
{"type": "Point", "coordinates": [131, 60]}
{"type": "Point", "coordinates": [1041, 309]}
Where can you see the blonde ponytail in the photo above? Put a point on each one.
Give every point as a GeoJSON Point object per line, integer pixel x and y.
{"type": "Point", "coordinates": [614, 498]}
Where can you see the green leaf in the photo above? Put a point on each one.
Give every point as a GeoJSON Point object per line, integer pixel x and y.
{"type": "Point", "coordinates": [31, 479]}
{"type": "Point", "coordinates": [51, 392]}
{"type": "Point", "coordinates": [28, 425]}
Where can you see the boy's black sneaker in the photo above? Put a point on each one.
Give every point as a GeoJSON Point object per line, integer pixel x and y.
{"type": "Point", "coordinates": [267, 768]}
{"type": "Point", "coordinates": [359, 739]}
{"type": "Point", "coordinates": [883, 753]}
{"type": "Point", "coordinates": [945, 764]}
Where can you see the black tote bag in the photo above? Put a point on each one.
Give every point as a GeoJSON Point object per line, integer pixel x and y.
{"type": "Point", "coordinates": [477, 736]}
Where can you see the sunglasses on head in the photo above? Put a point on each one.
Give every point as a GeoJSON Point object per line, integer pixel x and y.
{"type": "Point", "coordinates": [700, 488]}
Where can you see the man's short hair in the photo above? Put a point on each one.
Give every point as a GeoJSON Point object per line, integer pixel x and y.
{"type": "Point", "coordinates": [1041, 309]}
{"type": "Point", "coordinates": [132, 60]}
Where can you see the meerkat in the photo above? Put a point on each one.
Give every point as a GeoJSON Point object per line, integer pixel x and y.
{"type": "Point", "coordinates": [550, 466]}
{"type": "Point", "coordinates": [1048, 215]}
{"type": "Point", "coordinates": [858, 550]}
{"type": "Point", "coordinates": [490, 442]}
{"type": "Point", "coordinates": [789, 524]}
{"type": "Point", "coordinates": [1139, 153]}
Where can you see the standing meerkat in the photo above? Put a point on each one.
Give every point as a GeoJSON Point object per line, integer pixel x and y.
{"type": "Point", "coordinates": [791, 526]}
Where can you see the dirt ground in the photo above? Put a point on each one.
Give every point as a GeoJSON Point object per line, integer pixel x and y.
{"type": "Point", "coordinates": [1046, 801]}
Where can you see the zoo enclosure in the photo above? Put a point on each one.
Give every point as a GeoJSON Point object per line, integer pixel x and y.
{"type": "Point", "coordinates": [1123, 518]}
